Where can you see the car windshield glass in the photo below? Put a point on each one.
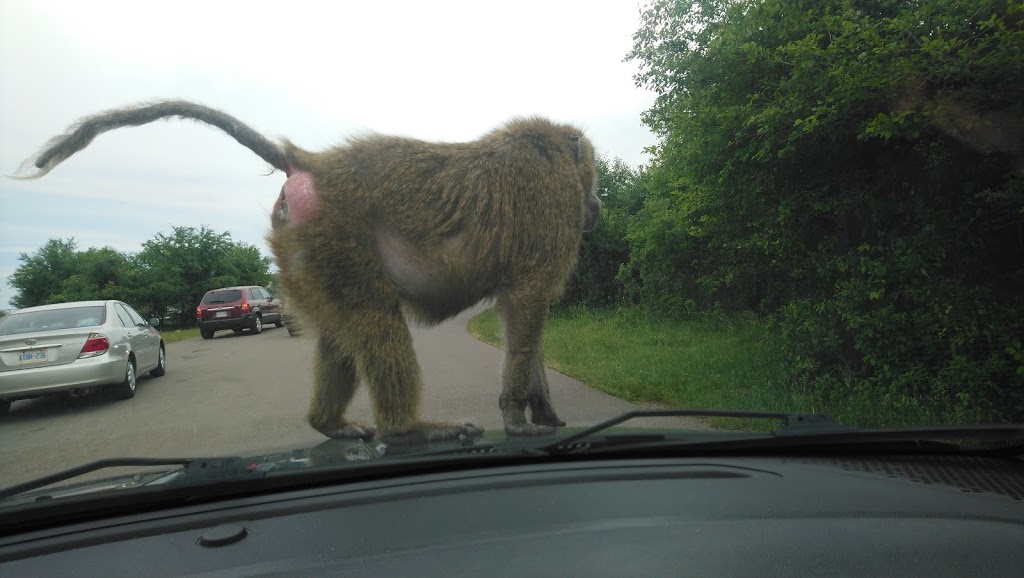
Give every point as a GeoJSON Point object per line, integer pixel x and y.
{"type": "Point", "coordinates": [225, 296]}
{"type": "Point", "coordinates": [52, 320]}
{"type": "Point", "coordinates": [534, 216]}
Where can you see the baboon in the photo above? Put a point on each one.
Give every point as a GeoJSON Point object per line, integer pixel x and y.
{"type": "Point", "coordinates": [385, 228]}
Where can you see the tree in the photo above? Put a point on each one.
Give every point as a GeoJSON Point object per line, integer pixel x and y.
{"type": "Point", "coordinates": [166, 279]}
{"type": "Point", "coordinates": [852, 168]}
{"type": "Point", "coordinates": [40, 275]}
{"type": "Point", "coordinates": [98, 274]}
{"type": "Point", "coordinates": [182, 266]}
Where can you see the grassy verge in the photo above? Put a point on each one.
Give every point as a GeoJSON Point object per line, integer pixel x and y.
{"type": "Point", "coordinates": [700, 363]}
{"type": "Point", "coordinates": [179, 335]}
{"type": "Point", "coordinates": [704, 362]}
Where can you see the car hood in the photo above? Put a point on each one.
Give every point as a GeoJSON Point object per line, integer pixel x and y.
{"type": "Point", "coordinates": [328, 454]}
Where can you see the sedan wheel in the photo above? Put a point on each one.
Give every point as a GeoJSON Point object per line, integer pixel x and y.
{"type": "Point", "coordinates": [126, 389]}
{"type": "Point", "coordinates": [161, 366]}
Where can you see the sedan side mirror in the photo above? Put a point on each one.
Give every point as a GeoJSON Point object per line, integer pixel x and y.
{"type": "Point", "coordinates": [154, 321]}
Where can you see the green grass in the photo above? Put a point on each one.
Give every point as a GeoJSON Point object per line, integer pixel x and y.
{"type": "Point", "coordinates": [179, 335]}
{"type": "Point", "coordinates": [710, 362]}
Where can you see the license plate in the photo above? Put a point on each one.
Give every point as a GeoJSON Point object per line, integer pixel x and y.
{"type": "Point", "coordinates": [222, 314]}
{"type": "Point", "coordinates": [34, 356]}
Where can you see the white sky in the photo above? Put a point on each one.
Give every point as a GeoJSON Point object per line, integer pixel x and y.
{"type": "Point", "coordinates": [314, 72]}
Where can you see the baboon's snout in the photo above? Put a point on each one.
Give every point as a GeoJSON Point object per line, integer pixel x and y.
{"type": "Point", "coordinates": [593, 213]}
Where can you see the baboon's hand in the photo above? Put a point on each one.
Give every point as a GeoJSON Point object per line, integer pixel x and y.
{"type": "Point", "coordinates": [350, 431]}
{"type": "Point", "coordinates": [429, 431]}
{"type": "Point", "coordinates": [528, 429]}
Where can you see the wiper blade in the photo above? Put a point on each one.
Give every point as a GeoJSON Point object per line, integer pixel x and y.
{"type": "Point", "coordinates": [795, 422]}
{"type": "Point", "coordinates": [799, 423]}
{"type": "Point", "coordinates": [800, 430]}
{"type": "Point", "coordinates": [197, 469]}
{"type": "Point", "coordinates": [916, 440]}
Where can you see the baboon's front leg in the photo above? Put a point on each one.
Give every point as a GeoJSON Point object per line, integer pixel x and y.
{"type": "Point", "coordinates": [334, 384]}
{"type": "Point", "coordinates": [522, 378]}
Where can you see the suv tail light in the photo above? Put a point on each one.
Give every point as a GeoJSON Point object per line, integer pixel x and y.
{"type": "Point", "coordinates": [97, 344]}
{"type": "Point", "coordinates": [245, 307]}
{"type": "Point", "coordinates": [199, 313]}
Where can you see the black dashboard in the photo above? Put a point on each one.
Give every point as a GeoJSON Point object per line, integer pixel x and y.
{"type": "Point", "coordinates": [766, 516]}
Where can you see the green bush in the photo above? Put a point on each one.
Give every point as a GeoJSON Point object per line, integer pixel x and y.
{"type": "Point", "coordinates": [853, 169]}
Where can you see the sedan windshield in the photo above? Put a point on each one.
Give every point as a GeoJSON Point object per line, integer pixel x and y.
{"type": "Point", "coordinates": [52, 320]}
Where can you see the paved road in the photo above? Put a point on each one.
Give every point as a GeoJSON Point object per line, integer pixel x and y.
{"type": "Point", "coordinates": [242, 394]}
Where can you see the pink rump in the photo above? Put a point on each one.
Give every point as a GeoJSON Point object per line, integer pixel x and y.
{"type": "Point", "coordinates": [300, 193]}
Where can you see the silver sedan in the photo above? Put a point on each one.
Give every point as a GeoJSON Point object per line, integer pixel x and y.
{"type": "Point", "coordinates": [76, 347]}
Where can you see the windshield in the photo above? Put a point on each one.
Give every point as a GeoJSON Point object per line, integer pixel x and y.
{"type": "Point", "coordinates": [52, 320]}
{"type": "Point", "coordinates": [506, 220]}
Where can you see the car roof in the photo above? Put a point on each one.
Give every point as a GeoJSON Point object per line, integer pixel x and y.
{"type": "Point", "coordinates": [68, 305]}
{"type": "Point", "coordinates": [237, 287]}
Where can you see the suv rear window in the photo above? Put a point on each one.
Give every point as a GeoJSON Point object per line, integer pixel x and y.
{"type": "Point", "coordinates": [225, 296]}
{"type": "Point", "coordinates": [53, 319]}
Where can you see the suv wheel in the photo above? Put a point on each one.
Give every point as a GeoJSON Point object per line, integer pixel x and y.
{"type": "Point", "coordinates": [206, 333]}
{"type": "Point", "coordinates": [257, 325]}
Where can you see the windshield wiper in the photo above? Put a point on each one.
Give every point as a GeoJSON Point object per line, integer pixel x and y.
{"type": "Point", "coordinates": [196, 469]}
{"type": "Point", "coordinates": [800, 430]}
{"type": "Point", "coordinates": [795, 422]}
{"type": "Point", "coordinates": [802, 422]}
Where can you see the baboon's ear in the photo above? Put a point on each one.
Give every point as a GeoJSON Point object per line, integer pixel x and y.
{"type": "Point", "coordinates": [574, 145]}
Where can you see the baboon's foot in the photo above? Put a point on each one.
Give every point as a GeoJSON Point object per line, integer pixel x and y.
{"type": "Point", "coordinates": [348, 431]}
{"type": "Point", "coordinates": [528, 429]}
{"type": "Point", "coordinates": [432, 431]}
{"type": "Point", "coordinates": [549, 419]}
{"type": "Point", "coordinates": [542, 413]}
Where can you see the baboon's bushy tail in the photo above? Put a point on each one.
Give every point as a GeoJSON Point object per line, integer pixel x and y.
{"type": "Point", "coordinates": [79, 135]}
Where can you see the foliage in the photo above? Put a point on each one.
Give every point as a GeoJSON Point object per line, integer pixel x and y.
{"type": "Point", "coordinates": [166, 279]}
{"type": "Point", "coordinates": [179, 335]}
{"type": "Point", "coordinates": [854, 169]}
{"type": "Point", "coordinates": [43, 273]}
{"type": "Point", "coordinates": [184, 265]}
{"type": "Point", "coordinates": [699, 361]}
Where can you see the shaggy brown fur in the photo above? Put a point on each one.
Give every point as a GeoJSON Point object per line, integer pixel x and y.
{"type": "Point", "coordinates": [382, 227]}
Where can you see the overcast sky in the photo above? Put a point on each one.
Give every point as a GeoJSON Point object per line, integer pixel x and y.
{"type": "Point", "coordinates": [314, 72]}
